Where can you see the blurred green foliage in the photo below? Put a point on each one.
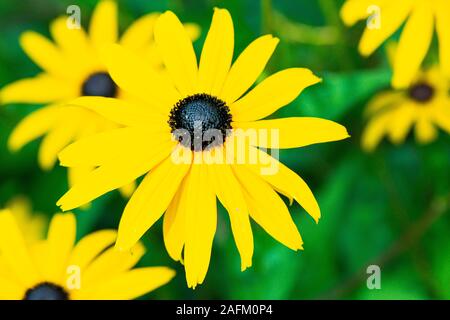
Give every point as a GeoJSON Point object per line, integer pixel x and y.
{"type": "Point", "coordinates": [389, 207]}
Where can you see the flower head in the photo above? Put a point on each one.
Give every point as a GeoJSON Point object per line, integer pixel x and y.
{"type": "Point", "coordinates": [59, 269]}
{"type": "Point", "coordinates": [184, 143]}
{"type": "Point", "coordinates": [421, 16]}
{"type": "Point", "coordinates": [73, 66]}
{"type": "Point", "coordinates": [424, 106]}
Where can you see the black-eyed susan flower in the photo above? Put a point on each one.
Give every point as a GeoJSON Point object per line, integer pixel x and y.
{"type": "Point", "coordinates": [59, 269]}
{"type": "Point", "coordinates": [422, 18]}
{"type": "Point", "coordinates": [424, 106]}
{"type": "Point", "coordinates": [186, 169]}
{"type": "Point", "coordinates": [72, 67]}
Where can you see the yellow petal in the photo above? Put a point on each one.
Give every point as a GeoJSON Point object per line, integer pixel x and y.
{"type": "Point", "coordinates": [123, 112]}
{"type": "Point", "coordinates": [402, 120]}
{"type": "Point", "coordinates": [201, 223]}
{"type": "Point", "coordinates": [14, 251]}
{"type": "Point", "coordinates": [39, 252]}
{"type": "Point", "coordinates": [33, 126]}
{"type": "Point", "coordinates": [115, 174]}
{"type": "Point", "coordinates": [100, 148]}
{"type": "Point", "coordinates": [40, 89]}
{"type": "Point", "coordinates": [413, 46]}
{"type": "Point", "coordinates": [11, 290]}
{"type": "Point", "coordinates": [140, 32]}
{"type": "Point", "coordinates": [217, 53]}
{"type": "Point", "coordinates": [193, 30]}
{"type": "Point", "coordinates": [384, 100]}
{"type": "Point", "coordinates": [74, 44]}
{"type": "Point", "coordinates": [89, 247]}
{"type": "Point", "coordinates": [443, 31]}
{"type": "Point", "coordinates": [103, 28]}
{"type": "Point", "coordinates": [149, 201]}
{"type": "Point", "coordinates": [56, 139]}
{"type": "Point", "coordinates": [177, 51]}
{"type": "Point", "coordinates": [267, 209]}
{"type": "Point", "coordinates": [174, 224]}
{"type": "Point", "coordinates": [425, 130]}
{"type": "Point", "coordinates": [77, 174]}
{"type": "Point", "coordinates": [262, 102]}
{"type": "Point", "coordinates": [229, 192]}
{"type": "Point", "coordinates": [442, 117]}
{"type": "Point", "coordinates": [110, 264]}
{"type": "Point", "coordinates": [247, 68]}
{"type": "Point", "coordinates": [136, 76]}
{"type": "Point", "coordinates": [31, 225]}
{"type": "Point", "coordinates": [46, 55]}
{"type": "Point", "coordinates": [392, 16]}
{"type": "Point", "coordinates": [294, 132]}
{"type": "Point", "coordinates": [355, 10]}
{"type": "Point", "coordinates": [128, 285]}
{"type": "Point", "coordinates": [285, 181]}
{"type": "Point", "coordinates": [60, 241]}
{"type": "Point", "coordinates": [127, 190]}
{"type": "Point", "coordinates": [374, 131]}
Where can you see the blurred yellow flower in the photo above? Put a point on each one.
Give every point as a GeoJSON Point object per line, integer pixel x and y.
{"type": "Point", "coordinates": [424, 105]}
{"type": "Point", "coordinates": [214, 94]}
{"type": "Point", "coordinates": [74, 67]}
{"type": "Point", "coordinates": [31, 224]}
{"type": "Point", "coordinates": [56, 269]}
{"type": "Point", "coordinates": [386, 16]}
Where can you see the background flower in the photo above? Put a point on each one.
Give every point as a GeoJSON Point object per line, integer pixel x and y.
{"type": "Point", "coordinates": [420, 18]}
{"type": "Point", "coordinates": [73, 66]}
{"type": "Point", "coordinates": [58, 269]}
{"type": "Point", "coordinates": [424, 107]}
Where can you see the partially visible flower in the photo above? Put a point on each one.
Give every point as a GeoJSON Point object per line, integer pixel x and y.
{"type": "Point", "coordinates": [57, 269]}
{"type": "Point", "coordinates": [422, 18]}
{"type": "Point", "coordinates": [31, 224]}
{"type": "Point", "coordinates": [425, 105]}
{"type": "Point", "coordinates": [216, 96]}
{"type": "Point", "coordinates": [72, 67]}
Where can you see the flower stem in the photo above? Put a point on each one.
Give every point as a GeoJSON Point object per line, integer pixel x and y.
{"type": "Point", "coordinates": [330, 13]}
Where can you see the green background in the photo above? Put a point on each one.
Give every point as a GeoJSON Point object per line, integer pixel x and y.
{"type": "Point", "coordinates": [388, 208]}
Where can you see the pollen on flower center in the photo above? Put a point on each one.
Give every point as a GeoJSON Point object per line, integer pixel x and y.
{"type": "Point", "coordinates": [200, 121]}
{"type": "Point", "coordinates": [99, 84]}
{"type": "Point", "coordinates": [46, 291]}
{"type": "Point", "coordinates": [421, 92]}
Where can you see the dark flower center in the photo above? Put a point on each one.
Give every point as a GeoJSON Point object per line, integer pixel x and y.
{"type": "Point", "coordinates": [200, 121]}
{"type": "Point", "coordinates": [99, 84]}
{"type": "Point", "coordinates": [421, 92]}
{"type": "Point", "coordinates": [46, 291]}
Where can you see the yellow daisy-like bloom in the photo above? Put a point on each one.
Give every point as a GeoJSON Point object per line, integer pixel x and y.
{"type": "Point", "coordinates": [421, 17]}
{"type": "Point", "coordinates": [56, 269]}
{"type": "Point", "coordinates": [73, 67]}
{"type": "Point", "coordinates": [212, 93]}
{"type": "Point", "coordinates": [32, 225]}
{"type": "Point", "coordinates": [425, 105]}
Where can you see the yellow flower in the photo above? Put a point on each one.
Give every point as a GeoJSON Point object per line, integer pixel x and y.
{"type": "Point", "coordinates": [32, 225]}
{"type": "Point", "coordinates": [421, 17]}
{"type": "Point", "coordinates": [73, 67]}
{"type": "Point", "coordinates": [424, 105]}
{"type": "Point", "coordinates": [212, 94]}
{"type": "Point", "coordinates": [56, 269]}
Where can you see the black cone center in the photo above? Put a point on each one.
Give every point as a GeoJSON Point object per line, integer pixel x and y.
{"type": "Point", "coordinates": [421, 92]}
{"type": "Point", "coordinates": [46, 291]}
{"type": "Point", "coordinates": [99, 84]}
{"type": "Point", "coordinates": [200, 121]}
